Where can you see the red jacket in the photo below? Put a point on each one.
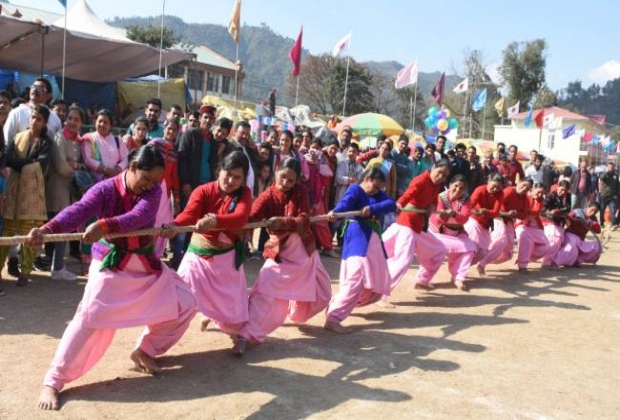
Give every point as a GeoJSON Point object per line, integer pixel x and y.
{"type": "Point", "coordinates": [421, 193]}
{"type": "Point", "coordinates": [513, 201]}
{"type": "Point", "coordinates": [481, 198]}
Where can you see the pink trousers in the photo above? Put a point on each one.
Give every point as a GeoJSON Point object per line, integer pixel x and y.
{"type": "Point", "coordinates": [533, 245]}
{"type": "Point", "coordinates": [555, 236]}
{"type": "Point", "coordinates": [401, 242]}
{"type": "Point", "coordinates": [80, 348]}
{"type": "Point", "coordinates": [461, 251]}
{"type": "Point", "coordinates": [575, 251]}
{"type": "Point", "coordinates": [502, 242]}
{"type": "Point", "coordinates": [363, 280]}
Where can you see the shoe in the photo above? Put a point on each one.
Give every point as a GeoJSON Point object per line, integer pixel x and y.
{"type": "Point", "coordinates": [42, 264]}
{"type": "Point", "coordinates": [63, 274]}
{"type": "Point", "coordinates": [331, 253]}
{"type": "Point", "coordinates": [13, 267]}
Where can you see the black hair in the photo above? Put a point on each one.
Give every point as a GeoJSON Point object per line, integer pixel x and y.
{"type": "Point", "coordinates": [594, 203]}
{"type": "Point", "coordinates": [265, 145]}
{"type": "Point", "coordinates": [17, 102]}
{"type": "Point", "coordinates": [564, 183]}
{"type": "Point", "coordinates": [501, 144]}
{"type": "Point", "coordinates": [288, 133]}
{"type": "Point", "coordinates": [432, 146]}
{"type": "Point", "coordinates": [459, 178]}
{"type": "Point", "coordinates": [224, 123]}
{"type": "Point", "coordinates": [538, 185]}
{"type": "Point", "coordinates": [387, 143]}
{"type": "Point", "coordinates": [539, 157]}
{"type": "Point", "coordinates": [243, 124]}
{"type": "Point", "coordinates": [353, 145]}
{"type": "Point", "coordinates": [45, 113]}
{"type": "Point", "coordinates": [79, 110]}
{"type": "Point", "coordinates": [567, 171]}
{"type": "Point", "coordinates": [527, 179]}
{"type": "Point", "coordinates": [107, 113]}
{"type": "Point", "coordinates": [496, 177]}
{"type": "Point", "coordinates": [460, 146]}
{"type": "Point", "coordinates": [441, 136]}
{"type": "Point", "coordinates": [154, 101]}
{"type": "Point", "coordinates": [194, 114]}
{"type": "Point", "coordinates": [176, 106]}
{"type": "Point", "coordinates": [292, 164]}
{"type": "Point", "coordinates": [57, 102]}
{"type": "Point", "coordinates": [333, 142]}
{"type": "Point", "coordinates": [381, 137]}
{"type": "Point", "coordinates": [141, 120]}
{"type": "Point", "coordinates": [234, 160]}
{"type": "Point", "coordinates": [473, 148]}
{"type": "Point", "coordinates": [316, 140]}
{"type": "Point", "coordinates": [374, 173]}
{"type": "Point", "coordinates": [172, 120]}
{"type": "Point", "coordinates": [442, 163]}
{"type": "Point", "coordinates": [515, 146]}
{"type": "Point", "coordinates": [147, 158]}
{"type": "Point", "coordinates": [403, 137]}
{"type": "Point", "coordinates": [6, 94]}
{"type": "Point", "coordinates": [46, 82]}
{"type": "Point", "coordinates": [309, 131]}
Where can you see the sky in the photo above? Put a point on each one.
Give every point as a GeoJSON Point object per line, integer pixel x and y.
{"type": "Point", "coordinates": [582, 37]}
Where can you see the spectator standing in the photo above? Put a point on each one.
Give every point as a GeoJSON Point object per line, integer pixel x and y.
{"type": "Point", "coordinates": [580, 185]}
{"type": "Point", "coordinates": [609, 189]}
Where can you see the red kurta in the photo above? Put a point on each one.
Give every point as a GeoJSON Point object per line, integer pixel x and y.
{"type": "Point", "coordinates": [481, 198]}
{"type": "Point", "coordinates": [532, 216]}
{"type": "Point", "coordinates": [421, 193]}
{"type": "Point", "coordinates": [514, 201]}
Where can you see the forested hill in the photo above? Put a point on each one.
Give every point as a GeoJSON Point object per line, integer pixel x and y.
{"type": "Point", "coordinates": [264, 53]}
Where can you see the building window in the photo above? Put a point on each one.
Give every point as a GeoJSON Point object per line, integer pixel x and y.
{"type": "Point", "coordinates": [551, 140]}
{"type": "Point", "coordinates": [226, 84]}
{"type": "Point", "coordinates": [213, 82]}
{"type": "Point", "coordinates": [195, 79]}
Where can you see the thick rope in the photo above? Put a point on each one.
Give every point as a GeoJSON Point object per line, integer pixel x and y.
{"type": "Point", "coordinates": [64, 237]}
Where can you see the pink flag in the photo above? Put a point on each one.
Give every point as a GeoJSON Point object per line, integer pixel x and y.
{"type": "Point", "coordinates": [295, 53]}
{"type": "Point", "coordinates": [408, 75]}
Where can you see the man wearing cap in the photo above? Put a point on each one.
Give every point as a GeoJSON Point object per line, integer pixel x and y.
{"type": "Point", "coordinates": [195, 153]}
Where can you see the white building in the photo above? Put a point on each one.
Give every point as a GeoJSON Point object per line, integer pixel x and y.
{"type": "Point", "coordinates": [549, 140]}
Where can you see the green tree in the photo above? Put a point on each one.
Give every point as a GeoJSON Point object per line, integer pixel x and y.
{"type": "Point", "coordinates": [151, 35]}
{"type": "Point", "coordinates": [523, 70]}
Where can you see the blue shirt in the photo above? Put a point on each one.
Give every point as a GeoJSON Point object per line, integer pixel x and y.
{"type": "Point", "coordinates": [205, 162]}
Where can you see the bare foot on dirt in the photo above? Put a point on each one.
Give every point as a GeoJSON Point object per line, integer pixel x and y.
{"type": "Point", "coordinates": [460, 284]}
{"type": "Point", "coordinates": [240, 345]}
{"type": "Point", "coordinates": [204, 324]}
{"type": "Point", "coordinates": [426, 287]}
{"type": "Point", "coordinates": [481, 270]}
{"type": "Point", "coordinates": [335, 327]}
{"type": "Point", "coordinates": [48, 399]}
{"type": "Point", "coordinates": [144, 362]}
{"type": "Point", "coordinates": [383, 303]}
{"type": "Point", "coordinates": [522, 270]}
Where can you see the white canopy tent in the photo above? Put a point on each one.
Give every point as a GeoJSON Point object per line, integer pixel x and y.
{"type": "Point", "coordinates": [95, 51]}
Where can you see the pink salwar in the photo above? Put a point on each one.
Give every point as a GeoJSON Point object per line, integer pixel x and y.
{"type": "Point", "coordinates": [363, 280]}
{"type": "Point", "coordinates": [533, 244]}
{"type": "Point", "coordinates": [574, 250]}
{"type": "Point", "coordinates": [163, 216]}
{"type": "Point", "coordinates": [219, 288]}
{"type": "Point", "coordinates": [480, 236]}
{"type": "Point", "coordinates": [555, 236]}
{"type": "Point", "coordinates": [297, 287]}
{"type": "Point", "coordinates": [460, 253]}
{"type": "Point", "coordinates": [116, 299]}
{"type": "Point", "coordinates": [401, 242]}
{"type": "Point", "coordinates": [502, 242]}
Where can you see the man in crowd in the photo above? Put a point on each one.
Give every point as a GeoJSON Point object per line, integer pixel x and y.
{"type": "Point", "coordinates": [476, 174]}
{"type": "Point", "coordinates": [459, 166]}
{"type": "Point", "coordinates": [400, 156]}
{"type": "Point", "coordinates": [609, 190]}
{"type": "Point", "coordinates": [418, 164]}
{"type": "Point", "coordinates": [152, 111]}
{"type": "Point", "coordinates": [514, 166]}
{"type": "Point", "coordinates": [580, 185]}
{"type": "Point", "coordinates": [242, 140]}
{"type": "Point", "coordinates": [175, 112]}
{"type": "Point", "coordinates": [59, 107]}
{"type": "Point", "coordinates": [440, 144]}
{"type": "Point", "coordinates": [536, 170]}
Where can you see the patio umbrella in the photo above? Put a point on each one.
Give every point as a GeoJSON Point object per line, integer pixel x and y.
{"type": "Point", "coordinates": [371, 124]}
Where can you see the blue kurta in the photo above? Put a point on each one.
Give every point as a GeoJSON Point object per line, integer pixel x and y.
{"type": "Point", "coordinates": [358, 231]}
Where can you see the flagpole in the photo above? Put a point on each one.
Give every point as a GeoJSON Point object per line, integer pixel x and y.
{"type": "Point", "coordinates": [415, 100]}
{"type": "Point", "coordinates": [346, 78]}
{"type": "Point", "coordinates": [161, 47]}
{"type": "Point", "coordinates": [236, 74]}
{"type": "Point", "coordinates": [297, 91]}
{"type": "Point", "coordinates": [64, 56]}
{"type": "Point", "coordinates": [484, 118]}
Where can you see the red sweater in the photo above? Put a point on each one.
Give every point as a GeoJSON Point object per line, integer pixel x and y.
{"type": "Point", "coordinates": [514, 201]}
{"type": "Point", "coordinates": [532, 216]}
{"type": "Point", "coordinates": [421, 193]}
{"type": "Point", "coordinates": [481, 198]}
{"type": "Point", "coordinates": [208, 198]}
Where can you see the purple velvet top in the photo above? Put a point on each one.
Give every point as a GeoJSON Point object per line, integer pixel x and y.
{"type": "Point", "coordinates": [121, 210]}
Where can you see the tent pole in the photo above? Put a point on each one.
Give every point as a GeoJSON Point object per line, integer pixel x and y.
{"type": "Point", "coordinates": [161, 47]}
{"type": "Point", "coordinates": [415, 100]}
{"type": "Point", "coordinates": [346, 79]}
{"type": "Point", "coordinates": [43, 33]}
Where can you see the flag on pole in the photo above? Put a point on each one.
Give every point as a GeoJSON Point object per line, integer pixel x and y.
{"type": "Point", "coordinates": [528, 118]}
{"type": "Point", "coordinates": [438, 89]}
{"type": "Point", "coordinates": [408, 75]}
{"type": "Point", "coordinates": [342, 45]}
{"type": "Point", "coordinates": [514, 110]}
{"type": "Point", "coordinates": [539, 118]}
{"type": "Point", "coordinates": [548, 119]}
{"type": "Point", "coordinates": [499, 107]}
{"type": "Point", "coordinates": [568, 131]}
{"type": "Point", "coordinates": [295, 53]}
{"type": "Point", "coordinates": [480, 100]}
{"type": "Point", "coordinates": [462, 87]}
{"type": "Point", "coordinates": [555, 124]}
{"type": "Point", "coordinates": [63, 2]}
{"type": "Point", "coordinates": [234, 26]}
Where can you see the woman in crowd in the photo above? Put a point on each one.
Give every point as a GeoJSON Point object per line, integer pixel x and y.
{"type": "Point", "coordinates": [66, 159]}
{"type": "Point", "coordinates": [410, 234]}
{"type": "Point", "coordinates": [531, 239]}
{"type": "Point", "coordinates": [128, 286]}
{"type": "Point", "coordinates": [286, 150]}
{"type": "Point", "coordinates": [576, 250]}
{"type": "Point", "coordinates": [486, 201]}
{"type": "Point", "coordinates": [24, 208]}
{"type": "Point", "coordinates": [140, 131]}
{"type": "Point", "coordinates": [364, 274]}
{"type": "Point", "coordinates": [212, 264]}
{"type": "Point", "coordinates": [293, 282]}
{"type": "Point", "coordinates": [453, 210]}
{"type": "Point", "coordinates": [556, 207]}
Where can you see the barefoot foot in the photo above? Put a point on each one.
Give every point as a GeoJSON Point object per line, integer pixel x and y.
{"type": "Point", "coordinates": [460, 284]}
{"type": "Point", "coordinates": [240, 344]}
{"type": "Point", "coordinates": [48, 399]}
{"type": "Point", "coordinates": [426, 287]}
{"type": "Point", "coordinates": [144, 362]}
{"type": "Point", "coordinates": [383, 303]}
{"type": "Point", "coordinates": [481, 270]}
{"type": "Point", "coordinates": [335, 327]}
{"type": "Point", "coordinates": [204, 324]}
{"type": "Point", "coordinates": [522, 270]}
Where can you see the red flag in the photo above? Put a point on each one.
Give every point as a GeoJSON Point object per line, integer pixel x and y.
{"type": "Point", "coordinates": [539, 118]}
{"type": "Point", "coordinates": [295, 53]}
{"type": "Point", "coordinates": [588, 137]}
{"type": "Point", "coordinates": [438, 89]}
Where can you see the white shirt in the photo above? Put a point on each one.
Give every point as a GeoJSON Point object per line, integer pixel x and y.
{"type": "Point", "coordinates": [19, 120]}
{"type": "Point", "coordinates": [536, 175]}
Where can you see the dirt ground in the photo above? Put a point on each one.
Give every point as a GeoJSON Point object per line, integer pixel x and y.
{"type": "Point", "coordinates": [538, 346]}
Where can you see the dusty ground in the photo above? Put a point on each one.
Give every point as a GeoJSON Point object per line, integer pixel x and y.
{"type": "Point", "coordinates": [542, 346]}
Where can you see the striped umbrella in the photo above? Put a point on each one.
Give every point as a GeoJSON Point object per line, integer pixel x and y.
{"type": "Point", "coordinates": [373, 125]}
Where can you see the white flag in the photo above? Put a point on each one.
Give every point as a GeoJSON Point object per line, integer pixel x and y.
{"type": "Point", "coordinates": [408, 75]}
{"type": "Point", "coordinates": [548, 119]}
{"type": "Point", "coordinates": [556, 123]}
{"type": "Point", "coordinates": [462, 87]}
{"type": "Point", "coordinates": [342, 45]}
{"type": "Point", "coordinates": [513, 110]}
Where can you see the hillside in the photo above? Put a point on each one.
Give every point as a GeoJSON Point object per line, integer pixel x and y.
{"type": "Point", "coordinates": [263, 52]}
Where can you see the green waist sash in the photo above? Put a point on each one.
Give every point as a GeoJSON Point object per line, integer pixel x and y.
{"type": "Point", "coordinates": [116, 254]}
{"type": "Point", "coordinates": [238, 247]}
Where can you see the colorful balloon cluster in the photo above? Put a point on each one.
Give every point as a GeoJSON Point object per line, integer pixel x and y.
{"type": "Point", "coordinates": [439, 121]}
